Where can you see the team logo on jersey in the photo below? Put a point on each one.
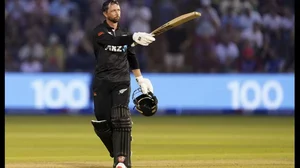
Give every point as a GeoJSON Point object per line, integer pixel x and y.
{"type": "Point", "coordinates": [116, 48]}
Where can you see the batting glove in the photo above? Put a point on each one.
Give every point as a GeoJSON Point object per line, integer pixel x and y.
{"type": "Point", "coordinates": [143, 38]}
{"type": "Point", "coordinates": [145, 84]}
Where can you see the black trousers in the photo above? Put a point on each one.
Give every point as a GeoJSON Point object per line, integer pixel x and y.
{"type": "Point", "coordinates": [108, 94]}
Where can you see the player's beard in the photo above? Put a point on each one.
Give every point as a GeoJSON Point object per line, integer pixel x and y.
{"type": "Point", "coordinates": [114, 20]}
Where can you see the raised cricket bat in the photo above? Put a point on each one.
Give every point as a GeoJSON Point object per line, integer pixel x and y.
{"type": "Point", "coordinates": [174, 23]}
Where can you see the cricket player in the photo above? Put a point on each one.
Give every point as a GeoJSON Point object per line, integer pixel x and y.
{"type": "Point", "coordinates": [111, 83]}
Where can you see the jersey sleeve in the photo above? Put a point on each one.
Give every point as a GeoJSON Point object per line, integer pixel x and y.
{"type": "Point", "coordinates": [132, 60]}
{"type": "Point", "coordinates": [103, 37]}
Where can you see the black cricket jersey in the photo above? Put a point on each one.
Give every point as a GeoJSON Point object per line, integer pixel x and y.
{"type": "Point", "coordinates": [113, 52]}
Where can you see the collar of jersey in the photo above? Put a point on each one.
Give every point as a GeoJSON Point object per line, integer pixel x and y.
{"type": "Point", "coordinates": [109, 26]}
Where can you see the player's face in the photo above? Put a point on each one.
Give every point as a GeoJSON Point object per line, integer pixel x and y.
{"type": "Point", "coordinates": [113, 13]}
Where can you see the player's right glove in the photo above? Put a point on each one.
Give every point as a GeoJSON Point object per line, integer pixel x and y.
{"type": "Point", "coordinates": [143, 38]}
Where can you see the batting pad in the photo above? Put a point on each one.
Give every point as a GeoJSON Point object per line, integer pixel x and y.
{"type": "Point", "coordinates": [103, 131]}
{"type": "Point", "coordinates": [121, 126]}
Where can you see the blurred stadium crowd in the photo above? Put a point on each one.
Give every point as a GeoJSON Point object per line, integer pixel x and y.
{"type": "Point", "coordinates": [245, 36]}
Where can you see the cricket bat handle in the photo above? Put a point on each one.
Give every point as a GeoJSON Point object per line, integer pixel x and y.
{"type": "Point", "coordinates": [133, 44]}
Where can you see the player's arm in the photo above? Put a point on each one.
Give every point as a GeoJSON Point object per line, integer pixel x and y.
{"type": "Point", "coordinates": [104, 38]}
{"type": "Point", "coordinates": [133, 62]}
{"type": "Point", "coordinates": [145, 84]}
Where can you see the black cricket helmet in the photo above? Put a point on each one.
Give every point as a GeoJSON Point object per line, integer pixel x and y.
{"type": "Point", "coordinates": [146, 104]}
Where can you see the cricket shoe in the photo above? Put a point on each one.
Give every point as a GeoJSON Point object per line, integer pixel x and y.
{"type": "Point", "coordinates": [121, 165]}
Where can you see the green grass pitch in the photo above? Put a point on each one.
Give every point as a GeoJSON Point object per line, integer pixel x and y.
{"type": "Point", "coordinates": [158, 142]}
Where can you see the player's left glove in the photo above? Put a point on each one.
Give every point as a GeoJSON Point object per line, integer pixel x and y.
{"type": "Point", "coordinates": [145, 84]}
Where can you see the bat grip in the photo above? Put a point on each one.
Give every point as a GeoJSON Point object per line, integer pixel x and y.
{"type": "Point", "coordinates": [133, 44]}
